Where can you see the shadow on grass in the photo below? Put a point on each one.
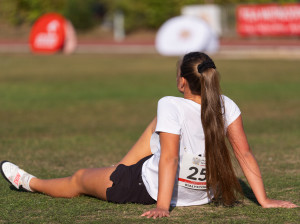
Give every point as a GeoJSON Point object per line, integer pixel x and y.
{"type": "Point", "coordinates": [19, 190]}
{"type": "Point", "coordinates": [248, 193]}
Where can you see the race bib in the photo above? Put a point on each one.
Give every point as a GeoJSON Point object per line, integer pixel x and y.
{"type": "Point", "coordinates": [192, 172]}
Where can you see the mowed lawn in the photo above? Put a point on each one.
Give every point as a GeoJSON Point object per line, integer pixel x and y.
{"type": "Point", "coordinates": [61, 113]}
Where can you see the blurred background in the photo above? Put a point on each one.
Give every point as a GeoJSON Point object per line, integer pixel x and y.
{"type": "Point", "coordinates": [129, 26]}
{"type": "Point", "coordinates": [87, 101]}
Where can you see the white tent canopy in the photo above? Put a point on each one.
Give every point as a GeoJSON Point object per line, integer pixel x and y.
{"type": "Point", "coordinates": [183, 34]}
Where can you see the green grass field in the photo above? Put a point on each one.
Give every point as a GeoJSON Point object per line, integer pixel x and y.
{"type": "Point", "coordinates": [59, 114]}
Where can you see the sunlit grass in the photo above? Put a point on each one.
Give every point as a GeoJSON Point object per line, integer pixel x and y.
{"type": "Point", "coordinates": [59, 114]}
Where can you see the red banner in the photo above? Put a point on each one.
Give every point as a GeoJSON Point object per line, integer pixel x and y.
{"type": "Point", "coordinates": [268, 20]}
{"type": "Point", "coordinates": [48, 34]}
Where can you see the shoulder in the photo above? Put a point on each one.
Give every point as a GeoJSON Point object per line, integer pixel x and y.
{"type": "Point", "coordinates": [226, 99]}
{"type": "Point", "coordinates": [232, 111]}
{"type": "Point", "coordinates": [228, 103]}
{"type": "Point", "coordinates": [171, 101]}
{"type": "Point", "coordinates": [169, 105]}
{"type": "Point", "coordinates": [169, 115]}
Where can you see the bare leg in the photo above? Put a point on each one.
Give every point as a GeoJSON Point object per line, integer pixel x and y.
{"type": "Point", "coordinates": [92, 182]}
{"type": "Point", "coordinates": [141, 148]}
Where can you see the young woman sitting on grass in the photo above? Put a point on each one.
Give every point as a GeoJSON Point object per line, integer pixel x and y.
{"type": "Point", "coordinates": [181, 159]}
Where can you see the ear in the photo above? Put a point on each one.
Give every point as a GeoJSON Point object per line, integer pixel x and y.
{"type": "Point", "coordinates": [181, 84]}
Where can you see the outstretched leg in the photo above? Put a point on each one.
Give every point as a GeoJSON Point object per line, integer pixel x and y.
{"type": "Point", "coordinates": [92, 182]}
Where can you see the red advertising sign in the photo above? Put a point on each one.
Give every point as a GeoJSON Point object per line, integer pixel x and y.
{"type": "Point", "coordinates": [268, 20]}
{"type": "Point", "coordinates": [48, 34]}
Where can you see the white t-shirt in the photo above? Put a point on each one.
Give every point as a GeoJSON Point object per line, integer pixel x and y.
{"type": "Point", "coordinates": [181, 116]}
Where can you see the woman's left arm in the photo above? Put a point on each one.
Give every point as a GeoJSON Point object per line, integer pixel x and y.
{"type": "Point", "coordinates": [248, 163]}
{"type": "Point", "coordinates": [168, 164]}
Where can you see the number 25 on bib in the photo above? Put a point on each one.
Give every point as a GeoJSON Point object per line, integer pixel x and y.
{"type": "Point", "coordinates": [192, 172]}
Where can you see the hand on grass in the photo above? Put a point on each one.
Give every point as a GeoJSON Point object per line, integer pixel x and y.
{"type": "Point", "coordinates": [157, 213]}
{"type": "Point", "coordinates": [271, 203]}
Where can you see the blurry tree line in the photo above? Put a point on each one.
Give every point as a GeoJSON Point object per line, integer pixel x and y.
{"type": "Point", "coordinates": [85, 14]}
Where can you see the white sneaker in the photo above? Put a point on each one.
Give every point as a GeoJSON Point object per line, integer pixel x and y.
{"type": "Point", "coordinates": [16, 176]}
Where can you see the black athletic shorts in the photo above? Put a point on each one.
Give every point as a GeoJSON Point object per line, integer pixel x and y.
{"type": "Point", "coordinates": [128, 186]}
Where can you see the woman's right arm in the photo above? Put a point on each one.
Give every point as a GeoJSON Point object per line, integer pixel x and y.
{"type": "Point", "coordinates": [168, 164]}
{"type": "Point", "coordinates": [248, 163]}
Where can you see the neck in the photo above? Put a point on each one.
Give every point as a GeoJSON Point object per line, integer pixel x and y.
{"type": "Point", "coordinates": [193, 97]}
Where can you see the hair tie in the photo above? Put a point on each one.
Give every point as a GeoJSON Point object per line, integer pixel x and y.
{"type": "Point", "coordinates": [206, 65]}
